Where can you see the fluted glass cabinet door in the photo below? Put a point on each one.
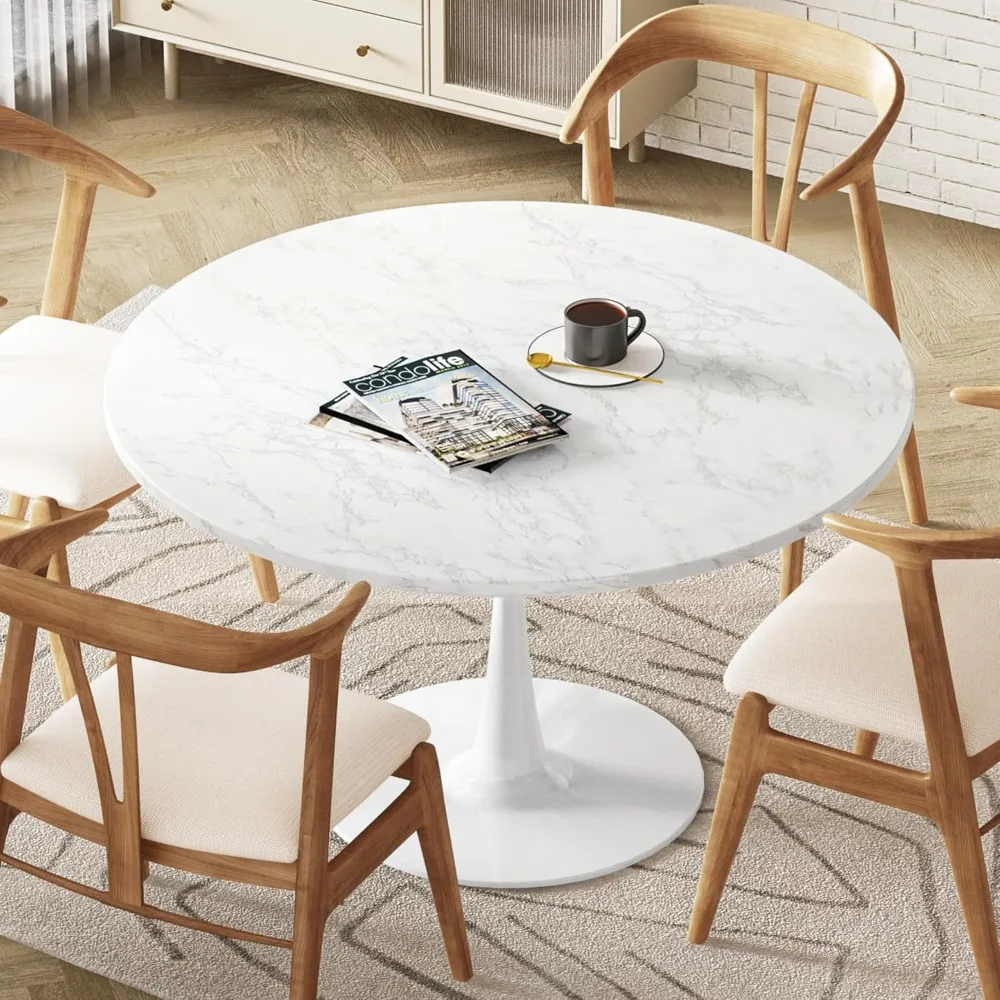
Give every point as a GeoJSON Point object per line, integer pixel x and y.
{"type": "Point", "coordinates": [523, 57]}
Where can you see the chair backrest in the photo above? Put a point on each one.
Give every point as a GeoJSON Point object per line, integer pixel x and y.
{"type": "Point", "coordinates": [913, 552]}
{"type": "Point", "coordinates": [84, 170]}
{"type": "Point", "coordinates": [765, 43]}
{"type": "Point", "coordinates": [128, 630]}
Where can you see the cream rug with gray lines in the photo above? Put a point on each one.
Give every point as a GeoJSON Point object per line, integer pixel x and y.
{"type": "Point", "coordinates": [831, 898]}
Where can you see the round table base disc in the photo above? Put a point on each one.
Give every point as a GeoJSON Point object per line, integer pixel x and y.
{"type": "Point", "coordinates": [636, 784]}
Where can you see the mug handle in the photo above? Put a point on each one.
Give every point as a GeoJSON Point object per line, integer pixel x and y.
{"type": "Point", "coordinates": [629, 313]}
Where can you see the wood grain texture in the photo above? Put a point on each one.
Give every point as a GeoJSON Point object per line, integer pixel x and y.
{"type": "Point", "coordinates": [977, 395]}
{"type": "Point", "coordinates": [792, 563]}
{"type": "Point", "coordinates": [917, 546]}
{"type": "Point", "coordinates": [597, 162]}
{"type": "Point", "coordinates": [68, 247]}
{"type": "Point", "coordinates": [31, 549]}
{"type": "Point", "coordinates": [158, 635]}
{"type": "Point", "coordinates": [314, 826]}
{"type": "Point", "coordinates": [264, 578]}
{"type": "Point", "coordinates": [758, 175]}
{"type": "Point", "coordinates": [44, 511]}
{"type": "Point", "coordinates": [790, 182]}
{"type": "Point", "coordinates": [865, 742]}
{"type": "Point", "coordinates": [270, 874]}
{"type": "Point", "coordinates": [27, 136]}
{"type": "Point", "coordinates": [31, 975]}
{"type": "Point", "coordinates": [951, 799]}
{"type": "Point", "coordinates": [741, 776]}
{"type": "Point", "coordinates": [435, 846]}
{"type": "Point", "coordinates": [878, 288]}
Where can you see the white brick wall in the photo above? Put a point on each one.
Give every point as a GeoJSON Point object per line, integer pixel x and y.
{"type": "Point", "coordinates": [943, 156]}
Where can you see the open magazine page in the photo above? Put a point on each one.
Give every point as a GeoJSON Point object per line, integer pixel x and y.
{"type": "Point", "coordinates": [453, 409]}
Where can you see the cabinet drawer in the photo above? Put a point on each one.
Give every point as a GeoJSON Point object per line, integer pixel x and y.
{"type": "Point", "coordinates": [403, 10]}
{"type": "Point", "coordinates": [306, 32]}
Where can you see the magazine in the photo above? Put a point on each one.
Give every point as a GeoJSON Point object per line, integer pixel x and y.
{"type": "Point", "coordinates": [451, 408]}
{"type": "Point", "coordinates": [351, 415]}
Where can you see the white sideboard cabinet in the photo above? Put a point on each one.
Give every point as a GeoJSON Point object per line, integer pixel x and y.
{"type": "Point", "coordinates": [516, 62]}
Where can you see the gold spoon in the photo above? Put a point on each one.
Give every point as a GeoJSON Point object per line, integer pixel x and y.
{"type": "Point", "coordinates": [540, 359]}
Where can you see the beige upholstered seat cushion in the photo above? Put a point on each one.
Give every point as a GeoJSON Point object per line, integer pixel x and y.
{"type": "Point", "coordinates": [220, 756]}
{"type": "Point", "coordinates": [837, 647]}
{"type": "Point", "coordinates": [53, 436]}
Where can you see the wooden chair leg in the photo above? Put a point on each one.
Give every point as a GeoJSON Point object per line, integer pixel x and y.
{"type": "Point", "coordinates": [913, 481]}
{"type": "Point", "coordinates": [267, 582]}
{"type": "Point", "coordinates": [7, 816]}
{"type": "Point", "coordinates": [307, 942]}
{"type": "Point", "coordinates": [740, 779]}
{"type": "Point", "coordinates": [43, 511]}
{"type": "Point", "coordinates": [959, 824]}
{"type": "Point", "coordinates": [312, 866]}
{"type": "Point", "coordinates": [435, 844]}
{"type": "Point", "coordinates": [17, 505]}
{"type": "Point", "coordinates": [792, 560]}
{"type": "Point", "coordinates": [865, 742]}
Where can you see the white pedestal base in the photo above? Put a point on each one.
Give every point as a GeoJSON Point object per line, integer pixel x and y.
{"type": "Point", "coordinates": [546, 782]}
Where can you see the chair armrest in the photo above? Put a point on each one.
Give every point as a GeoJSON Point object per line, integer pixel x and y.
{"type": "Point", "coordinates": [151, 634]}
{"type": "Point", "coordinates": [978, 395]}
{"type": "Point", "coordinates": [909, 545]}
{"type": "Point", "coordinates": [20, 133]}
{"type": "Point", "coordinates": [29, 549]}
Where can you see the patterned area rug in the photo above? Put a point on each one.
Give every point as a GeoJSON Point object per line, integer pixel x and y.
{"type": "Point", "coordinates": [831, 898]}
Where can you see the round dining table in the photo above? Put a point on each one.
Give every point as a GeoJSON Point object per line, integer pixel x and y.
{"type": "Point", "coordinates": [783, 396]}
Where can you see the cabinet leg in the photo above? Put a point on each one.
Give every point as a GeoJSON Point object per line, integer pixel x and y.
{"type": "Point", "coordinates": [637, 149]}
{"type": "Point", "coordinates": [171, 71]}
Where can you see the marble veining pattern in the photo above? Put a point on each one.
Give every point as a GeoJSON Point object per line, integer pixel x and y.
{"type": "Point", "coordinates": [786, 397]}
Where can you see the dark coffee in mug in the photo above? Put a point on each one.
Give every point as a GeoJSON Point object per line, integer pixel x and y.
{"type": "Point", "coordinates": [597, 332]}
{"type": "Point", "coordinates": [596, 312]}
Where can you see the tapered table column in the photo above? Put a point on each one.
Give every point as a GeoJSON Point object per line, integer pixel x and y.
{"type": "Point", "coordinates": [546, 782]}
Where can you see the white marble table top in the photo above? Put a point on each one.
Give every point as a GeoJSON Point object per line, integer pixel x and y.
{"type": "Point", "coordinates": [785, 397]}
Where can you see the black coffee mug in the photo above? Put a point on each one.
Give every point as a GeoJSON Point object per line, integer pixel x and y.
{"type": "Point", "coordinates": [597, 332]}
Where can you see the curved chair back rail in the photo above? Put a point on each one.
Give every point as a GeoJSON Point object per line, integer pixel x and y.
{"type": "Point", "coordinates": [84, 170]}
{"type": "Point", "coordinates": [121, 627]}
{"type": "Point", "coordinates": [127, 630]}
{"type": "Point", "coordinates": [766, 43]}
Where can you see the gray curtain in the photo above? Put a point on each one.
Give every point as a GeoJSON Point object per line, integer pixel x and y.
{"type": "Point", "coordinates": [58, 53]}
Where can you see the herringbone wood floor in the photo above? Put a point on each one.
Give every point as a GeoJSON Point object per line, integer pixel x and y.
{"type": "Point", "coordinates": [246, 154]}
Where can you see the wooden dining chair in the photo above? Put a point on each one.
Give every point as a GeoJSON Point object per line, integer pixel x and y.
{"type": "Point", "coordinates": [54, 445]}
{"type": "Point", "coordinates": [896, 634]}
{"type": "Point", "coordinates": [209, 760]}
{"type": "Point", "coordinates": [789, 47]}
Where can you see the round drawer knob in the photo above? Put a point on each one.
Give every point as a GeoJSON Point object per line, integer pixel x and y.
{"type": "Point", "coordinates": [166, 4]}
{"type": "Point", "coordinates": [362, 49]}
